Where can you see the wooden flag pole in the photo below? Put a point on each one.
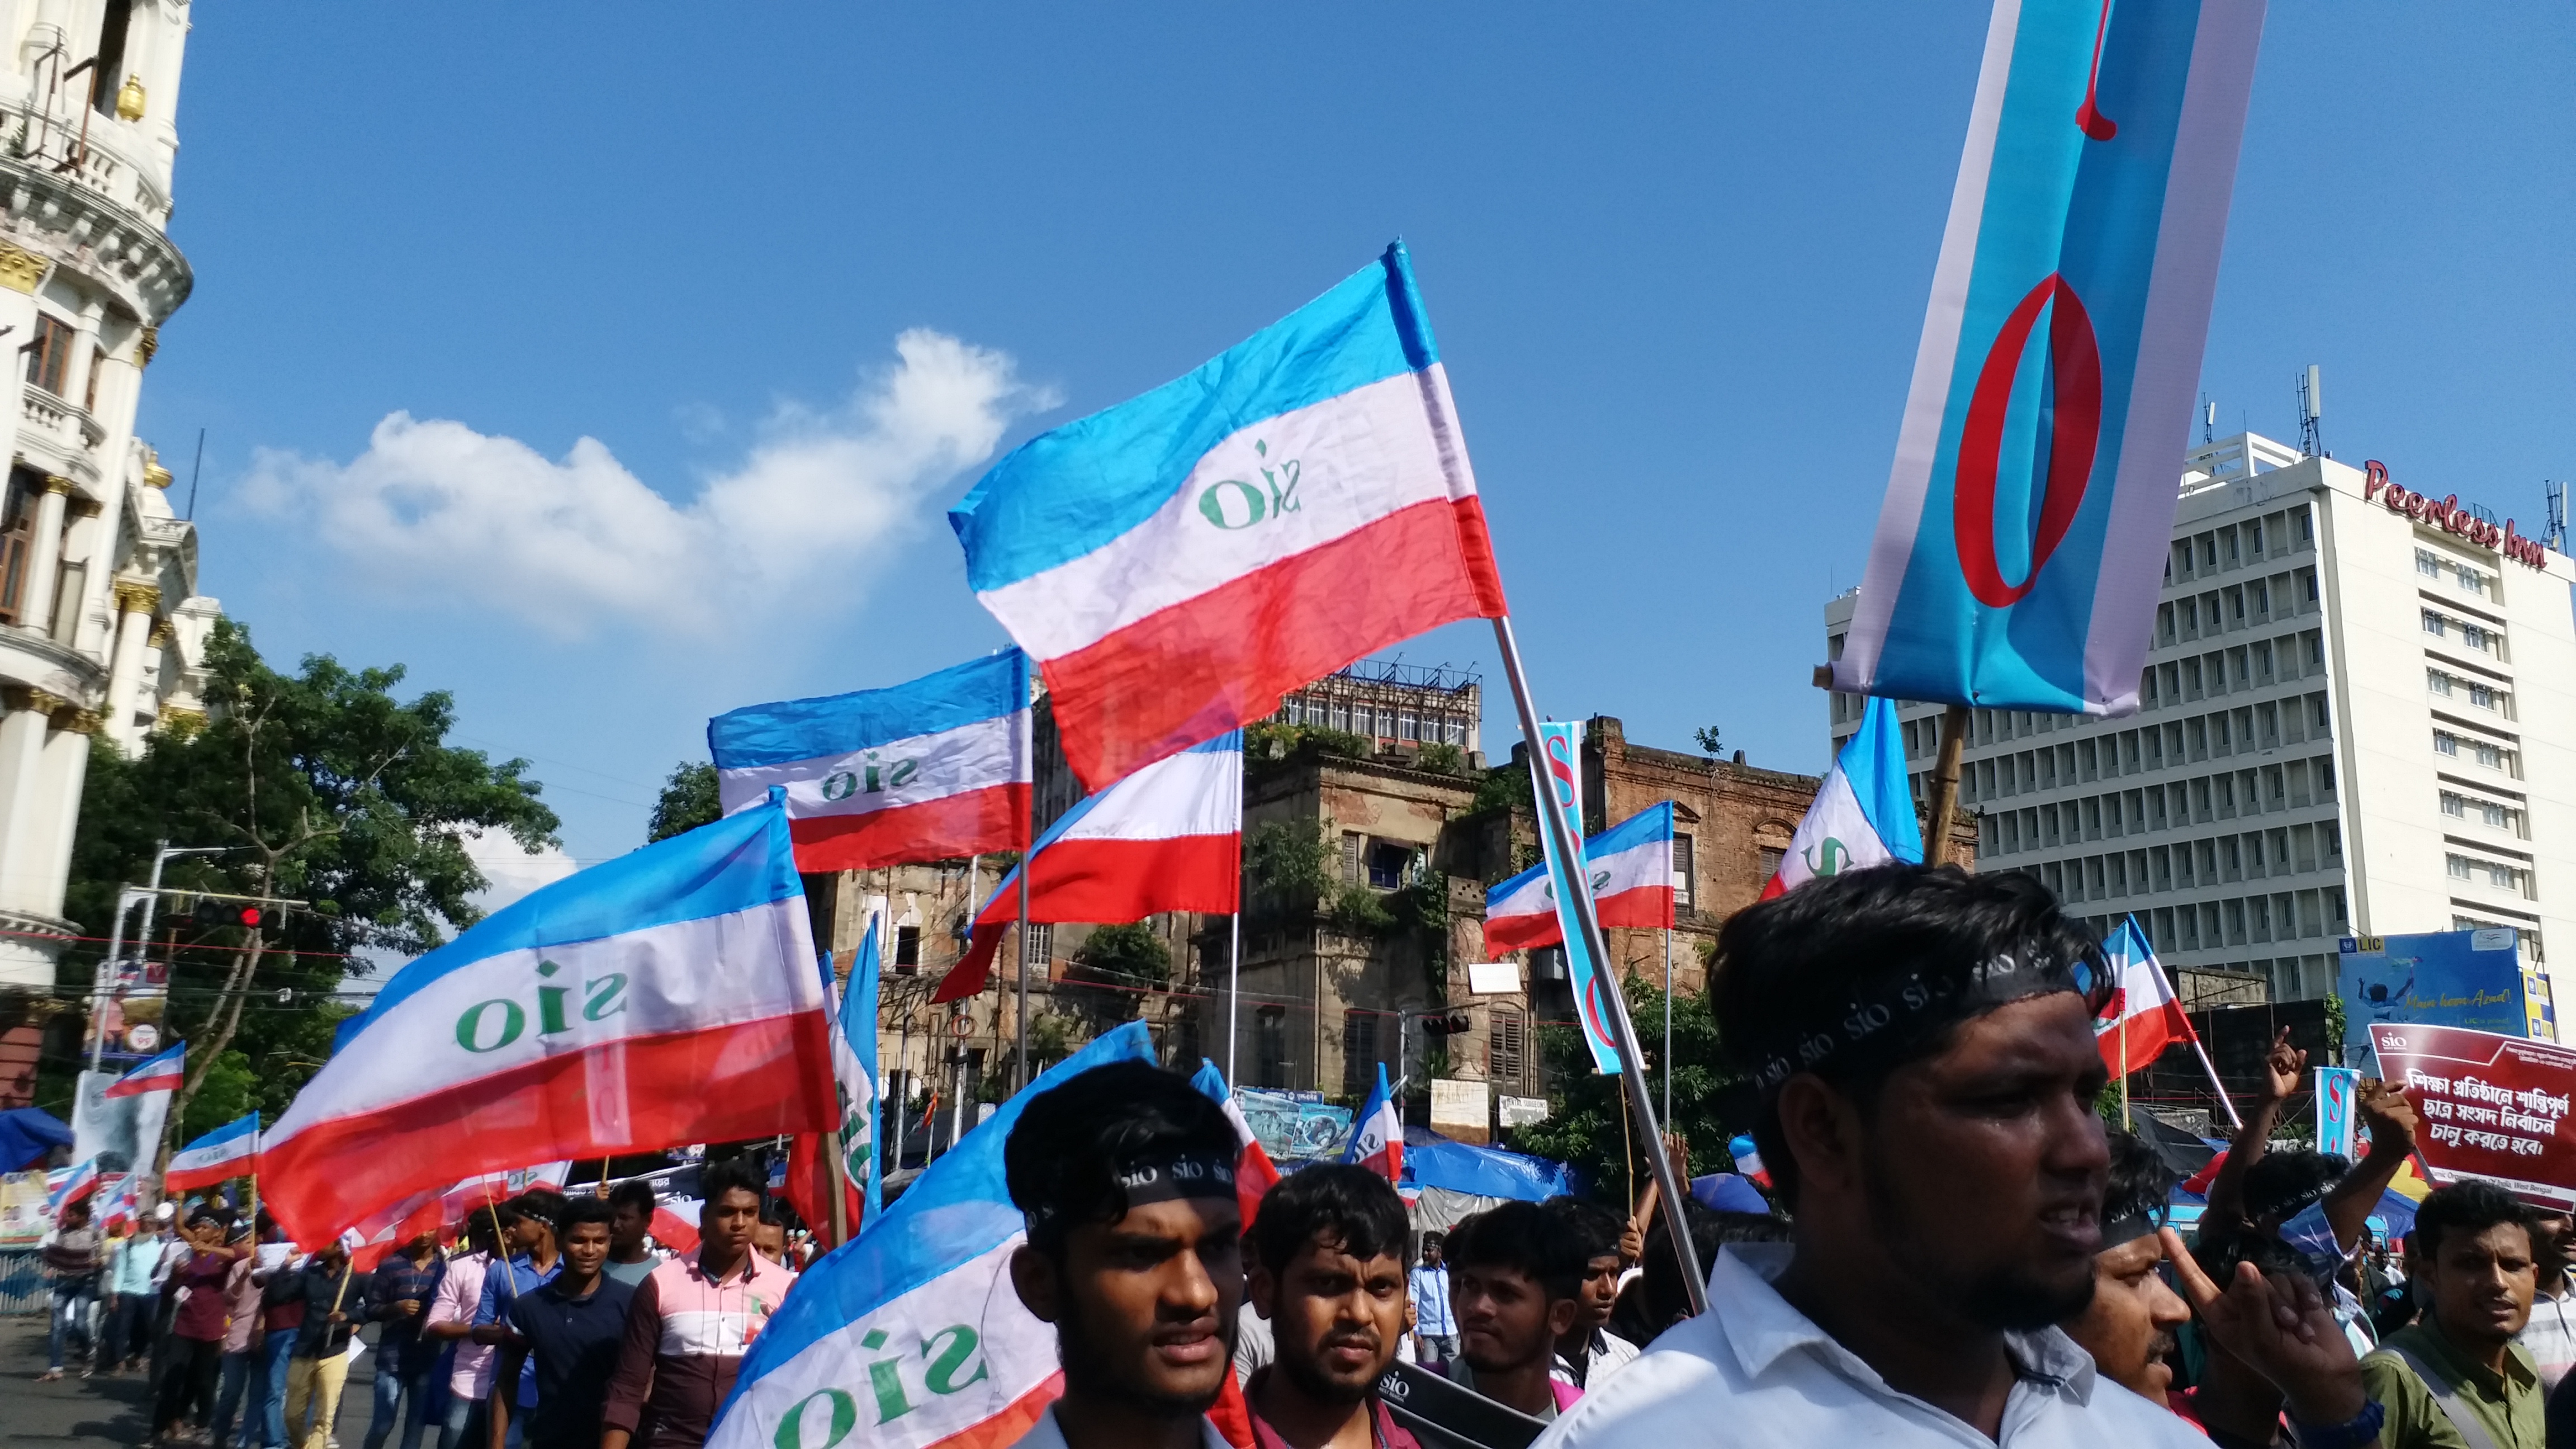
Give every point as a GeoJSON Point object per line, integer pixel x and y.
{"type": "Point", "coordinates": [1943, 798]}
{"type": "Point", "coordinates": [1568, 846]}
{"type": "Point", "coordinates": [840, 1187]}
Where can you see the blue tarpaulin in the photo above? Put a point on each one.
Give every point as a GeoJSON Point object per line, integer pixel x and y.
{"type": "Point", "coordinates": [1483, 1171]}
{"type": "Point", "coordinates": [26, 1135]}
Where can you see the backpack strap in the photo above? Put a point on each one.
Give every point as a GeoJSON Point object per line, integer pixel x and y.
{"type": "Point", "coordinates": [2446, 1397]}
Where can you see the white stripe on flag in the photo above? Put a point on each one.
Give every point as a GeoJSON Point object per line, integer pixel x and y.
{"type": "Point", "coordinates": [914, 771]}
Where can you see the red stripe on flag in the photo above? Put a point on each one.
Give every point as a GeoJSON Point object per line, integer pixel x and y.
{"type": "Point", "coordinates": [2146, 1036]}
{"type": "Point", "coordinates": [1647, 908]}
{"type": "Point", "coordinates": [973, 823]}
{"type": "Point", "coordinates": [1209, 664]}
{"type": "Point", "coordinates": [180, 1179]}
{"type": "Point", "coordinates": [722, 1084]}
{"type": "Point", "coordinates": [1105, 882]}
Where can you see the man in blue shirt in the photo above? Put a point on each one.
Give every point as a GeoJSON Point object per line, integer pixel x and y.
{"type": "Point", "coordinates": [1435, 1328]}
{"type": "Point", "coordinates": [398, 1297]}
{"type": "Point", "coordinates": [534, 1261]}
{"type": "Point", "coordinates": [568, 1332]}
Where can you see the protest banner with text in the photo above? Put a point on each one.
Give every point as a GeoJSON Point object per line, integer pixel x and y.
{"type": "Point", "coordinates": [2494, 1107]}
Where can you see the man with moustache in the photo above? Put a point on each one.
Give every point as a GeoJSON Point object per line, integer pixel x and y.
{"type": "Point", "coordinates": [1921, 1041]}
{"type": "Point", "coordinates": [2457, 1380]}
{"type": "Point", "coordinates": [2129, 1326]}
{"type": "Point", "coordinates": [1328, 1275]}
{"type": "Point", "coordinates": [1125, 1174]}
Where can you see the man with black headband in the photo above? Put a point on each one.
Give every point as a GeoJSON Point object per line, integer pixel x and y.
{"type": "Point", "coordinates": [1328, 1277]}
{"type": "Point", "coordinates": [1126, 1176]}
{"type": "Point", "coordinates": [2129, 1326]}
{"type": "Point", "coordinates": [1922, 1040]}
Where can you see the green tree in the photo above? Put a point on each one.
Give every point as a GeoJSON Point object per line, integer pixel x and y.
{"type": "Point", "coordinates": [1588, 1124]}
{"type": "Point", "coordinates": [318, 786]}
{"type": "Point", "coordinates": [688, 801]}
{"type": "Point", "coordinates": [1111, 972]}
{"type": "Point", "coordinates": [1712, 740]}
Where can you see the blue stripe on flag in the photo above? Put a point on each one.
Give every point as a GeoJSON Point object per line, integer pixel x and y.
{"type": "Point", "coordinates": [804, 729]}
{"type": "Point", "coordinates": [742, 861]}
{"type": "Point", "coordinates": [1655, 822]}
{"type": "Point", "coordinates": [958, 1210]}
{"type": "Point", "coordinates": [233, 1131]}
{"type": "Point", "coordinates": [859, 1028]}
{"type": "Point", "coordinates": [1069, 492]}
{"type": "Point", "coordinates": [1873, 765]}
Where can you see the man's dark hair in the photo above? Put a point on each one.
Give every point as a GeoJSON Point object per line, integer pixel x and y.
{"type": "Point", "coordinates": [2281, 1183]}
{"type": "Point", "coordinates": [1523, 1237]}
{"type": "Point", "coordinates": [540, 1202]}
{"type": "Point", "coordinates": [2141, 1182]}
{"type": "Point", "coordinates": [1343, 1203]}
{"type": "Point", "coordinates": [2464, 1207]}
{"type": "Point", "coordinates": [1917, 950]}
{"type": "Point", "coordinates": [1066, 1152]}
{"type": "Point", "coordinates": [734, 1174]}
{"type": "Point", "coordinates": [583, 1209]}
{"type": "Point", "coordinates": [1594, 1229]}
{"type": "Point", "coordinates": [634, 1193]}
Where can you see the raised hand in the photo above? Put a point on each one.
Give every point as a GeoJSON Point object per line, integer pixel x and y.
{"type": "Point", "coordinates": [2285, 1067]}
{"type": "Point", "coordinates": [2282, 1328]}
{"type": "Point", "coordinates": [2389, 1116]}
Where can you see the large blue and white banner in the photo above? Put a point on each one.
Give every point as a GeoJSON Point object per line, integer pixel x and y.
{"type": "Point", "coordinates": [2022, 542]}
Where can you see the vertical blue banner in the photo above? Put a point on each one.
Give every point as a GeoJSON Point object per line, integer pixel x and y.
{"type": "Point", "coordinates": [860, 1115]}
{"type": "Point", "coordinates": [2337, 1089]}
{"type": "Point", "coordinates": [2022, 542]}
{"type": "Point", "coordinates": [1560, 790]}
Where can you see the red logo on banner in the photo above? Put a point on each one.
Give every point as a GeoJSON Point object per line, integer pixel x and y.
{"type": "Point", "coordinates": [2074, 431]}
{"type": "Point", "coordinates": [2088, 116]}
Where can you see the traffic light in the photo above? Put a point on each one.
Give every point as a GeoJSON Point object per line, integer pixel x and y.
{"type": "Point", "coordinates": [1453, 1024]}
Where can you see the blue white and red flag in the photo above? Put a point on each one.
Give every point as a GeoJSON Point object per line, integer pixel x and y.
{"type": "Point", "coordinates": [1862, 815]}
{"type": "Point", "coordinates": [664, 997]}
{"type": "Point", "coordinates": [2022, 542]}
{"type": "Point", "coordinates": [1631, 866]}
{"type": "Point", "coordinates": [121, 1200]}
{"type": "Point", "coordinates": [854, 1066]}
{"type": "Point", "coordinates": [1178, 562]}
{"type": "Point", "coordinates": [2145, 1016]}
{"type": "Point", "coordinates": [67, 1185]}
{"type": "Point", "coordinates": [912, 1329]}
{"type": "Point", "coordinates": [1167, 838]}
{"type": "Point", "coordinates": [229, 1151]}
{"type": "Point", "coordinates": [1254, 1173]}
{"type": "Point", "coordinates": [1377, 1133]}
{"type": "Point", "coordinates": [936, 768]}
{"type": "Point", "coordinates": [1560, 788]}
{"type": "Point", "coordinates": [163, 1073]}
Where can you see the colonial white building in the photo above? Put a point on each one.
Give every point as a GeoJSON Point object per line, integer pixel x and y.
{"type": "Point", "coordinates": [101, 628]}
{"type": "Point", "coordinates": [2358, 717]}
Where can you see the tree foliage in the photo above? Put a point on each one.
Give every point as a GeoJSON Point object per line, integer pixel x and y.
{"type": "Point", "coordinates": [688, 800]}
{"type": "Point", "coordinates": [318, 786]}
{"type": "Point", "coordinates": [1111, 972]}
{"type": "Point", "coordinates": [1588, 1124]}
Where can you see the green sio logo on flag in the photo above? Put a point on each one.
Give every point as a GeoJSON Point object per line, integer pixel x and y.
{"type": "Point", "coordinates": [488, 1026]}
{"type": "Point", "coordinates": [1233, 504]}
{"type": "Point", "coordinates": [872, 777]}
{"type": "Point", "coordinates": [822, 1419]}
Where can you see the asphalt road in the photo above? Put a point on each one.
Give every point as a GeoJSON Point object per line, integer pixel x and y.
{"type": "Point", "coordinates": [111, 1412]}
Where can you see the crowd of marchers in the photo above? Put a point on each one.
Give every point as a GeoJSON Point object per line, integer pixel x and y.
{"type": "Point", "coordinates": [1962, 1252]}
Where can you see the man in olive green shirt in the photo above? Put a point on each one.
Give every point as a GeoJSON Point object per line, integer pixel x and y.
{"type": "Point", "coordinates": [2457, 1380]}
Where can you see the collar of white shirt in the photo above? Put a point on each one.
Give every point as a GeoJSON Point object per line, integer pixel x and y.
{"type": "Point", "coordinates": [1047, 1434]}
{"type": "Point", "coordinates": [1779, 1379]}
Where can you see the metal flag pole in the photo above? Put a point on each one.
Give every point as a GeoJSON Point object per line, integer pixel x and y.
{"type": "Point", "coordinates": [1668, 1025]}
{"type": "Point", "coordinates": [2220, 1087]}
{"type": "Point", "coordinates": [1569, 848]}
{"type": "Point", "coordinates": [1020, 943]}
{"type": "Point", "coordinates": [1233, 991]}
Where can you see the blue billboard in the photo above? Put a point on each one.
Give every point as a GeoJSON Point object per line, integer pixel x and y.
{"type": "Point", "coordinates": [2471, 979]}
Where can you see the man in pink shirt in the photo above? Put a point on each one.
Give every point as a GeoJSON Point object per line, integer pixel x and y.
{"type": "Point", "coordinates": [451, 1318]}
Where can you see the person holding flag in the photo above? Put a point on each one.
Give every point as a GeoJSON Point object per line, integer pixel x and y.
{"type": "Point", "coordinates": [1377, 1134]}
{"type": "Point", "coordinates": [1863, 813]}
{"type": "Point", "coordinates": [72, 1253]}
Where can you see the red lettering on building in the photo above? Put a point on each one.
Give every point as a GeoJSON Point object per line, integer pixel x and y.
{"type": "Point", "coordinates": [2447, 515]}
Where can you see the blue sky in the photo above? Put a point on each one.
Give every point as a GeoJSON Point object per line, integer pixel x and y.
{"type": "Point", "coordinates": [1677, 256]}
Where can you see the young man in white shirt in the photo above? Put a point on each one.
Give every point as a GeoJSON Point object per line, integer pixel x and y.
{"type": "Point", "coordinates": [1134, 1253]}
{"type": "Point", "coordinates": [2550, 1336]}
{"type": "Point", "coordinates": [1921, 1040]}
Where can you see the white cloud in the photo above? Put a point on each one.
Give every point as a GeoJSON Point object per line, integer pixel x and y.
{"type": "Point", "coordinates": [566, 543]}
{"type": "Point", "coordinates": [513, 872]}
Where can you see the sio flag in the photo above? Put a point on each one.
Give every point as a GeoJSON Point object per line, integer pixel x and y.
{"type": "Point", "coordinates": [2022, 542]}
{"type": "Point", "coordinates": [911, 1335]}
